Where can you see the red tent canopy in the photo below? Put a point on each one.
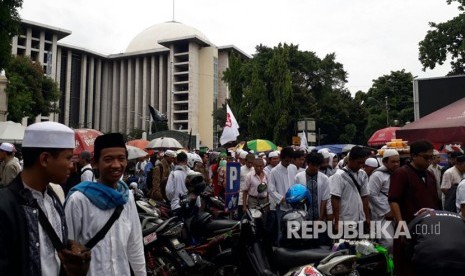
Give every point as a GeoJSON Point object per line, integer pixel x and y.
{"type": "Point", "coordinates": [85, 139]}
{"type": "Point", "coordinates": [382, 136]}
{"type": "Point", "coordinates": [444, 126]}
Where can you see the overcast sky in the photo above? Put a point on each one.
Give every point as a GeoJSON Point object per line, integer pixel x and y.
{"type": "Point", "coordinates": [371, 38]}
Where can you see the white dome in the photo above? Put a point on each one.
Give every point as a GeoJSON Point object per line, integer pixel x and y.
{"type": "Point", "coordinates": [147, 39]}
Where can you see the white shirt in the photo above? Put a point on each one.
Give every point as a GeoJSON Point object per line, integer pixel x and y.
{"type": "Point", "coordinates": [378, 189]}
{"type": "Point", "coordinates": [322, 188]}
{"type": "Point", "coordinates": [351, 205]}
{"type": "Point", "coordinates": [460, 195]}
{"type": "Point", "coordinates": [437, 174]}
{"type": "Point", "coordinates": [244, 172]}
{"type": "Point", "coordinates": [278, 184]}
{"type": "Point", "coordinates": [121, 246]}
{"type": "Point", "coordinates": [87, 175]}
{"type": "Point", "coordinates": [451, 176]}
{"type": "Point", "coordinates": [49, 261]}
{"type": "Point", "coordinates": [252, 180]}
{"type": "Point", "coordinates": [176, 186]}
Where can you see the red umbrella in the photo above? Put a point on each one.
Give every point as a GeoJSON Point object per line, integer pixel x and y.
{"type": "Point", "coordinates": [142, 144]}
{"type": "Point", "coordinates": [382, 136]}
{"type": "Point", "coordinates": [85, 138]}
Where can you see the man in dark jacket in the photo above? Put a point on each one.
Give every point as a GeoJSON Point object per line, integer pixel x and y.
{"type": "Point", "coordinates": [25, 244]}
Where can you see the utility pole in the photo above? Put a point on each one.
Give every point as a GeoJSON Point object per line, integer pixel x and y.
{"type": "Point", "coordinates": [387, 111]}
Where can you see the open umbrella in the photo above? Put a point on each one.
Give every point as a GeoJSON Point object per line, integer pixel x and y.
{"type": "Point", "coordinates": [164, 143]}
{"type": "Point", "coordinates": [139, 143]}
{"type": "Point", "coordinates": [85, 138]}
{"type": "Point", "coordinates": [135, 152]}
{"type": "Point", "coordinates": [11, 132]}
{"type": "Point", "coordinates": [382, 136]}
{"type": "Point", "coordinates": [258, 145]}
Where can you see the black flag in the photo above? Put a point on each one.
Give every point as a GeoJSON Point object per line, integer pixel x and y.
{"type": "Point", "coordinates": [157, 116]}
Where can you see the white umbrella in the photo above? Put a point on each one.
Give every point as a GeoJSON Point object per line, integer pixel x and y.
{"type": "Point", "coordinates": [11, 132]}
{"type": "Point", "coordinates": [164, 143]}
{"type": "Point", "coordinates": [134, 152]}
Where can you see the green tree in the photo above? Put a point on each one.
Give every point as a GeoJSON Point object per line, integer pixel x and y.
{"type": "Point", "coordinates": [445, 39]}
{"type": "Point", "coordinates": [397, 87]}
{"type": "Point", "coordinates": [29, 91]}
{"type": "Point", "coordinates": [282, 85]}
{"type": "Point", "coordinates": [9, 27]}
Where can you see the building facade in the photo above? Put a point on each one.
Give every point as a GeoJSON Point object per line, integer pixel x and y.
{"type": "Point", "coordinates": [170, 66]}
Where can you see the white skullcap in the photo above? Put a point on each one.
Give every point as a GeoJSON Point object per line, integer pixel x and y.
{"type": "Point", "coordinates": [243, 154]}
{"type": "Point", "coordinates": [436, 152]}
{"type": "Point", "coordinates": [261, 154]}
{"type": "Point", "coordinates": [371, 162]}
{"type": "Point", "coordinates": [133, 185]}
{"type": "Point", "coordinates": [390, 152]}
{"type": "Point", "coordinates": [170, 153]}
{"type": "Point", "coordinates": [273, 154]}
{"type": "Point", "coordinates": [49, 135]}
{"type": "Point", "coordinates": [7, 147]}
{"type": "Point", "coordinates": [325, 153]}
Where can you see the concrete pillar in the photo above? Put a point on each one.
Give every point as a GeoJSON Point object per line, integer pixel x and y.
{"type": "Point", "coordinates": [14, 46]}
{"type": "Point", "coordinates": [115, 97]}
{"type": "Point", "coordinates": [105, 99]}
{"type": "Point", "coordinates": [67, 88]}
{"type": "Point", "coordinates": [129, 92]}
{"type": "Point", "coordinates": [57, 77]}
{"type": "Point", "coordinates": [82, 93]}
{"type": "Point", "coordinates": [161, 82]}
{"type": "Point", "coordinates": [42, 48]}
{"type": "Point", "coordinates": [122, 96]}
{"type": "Point", "coordinates": [55, 55]}
{"type": "Point", "coordinates": [145, 93]}
{"type": "Point", "coordinates": [90, 99]}
{"type": "Point", "coordinates": [98, 94]}
{"type": "Point", "coordinates": [153, 82]}
{"type": "Point", "coordinates": [136, 109]}
{"type": "Point", "coordinates": [28, 41]}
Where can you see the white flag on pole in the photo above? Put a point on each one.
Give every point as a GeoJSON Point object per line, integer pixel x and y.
{"type": "Point", "coordinates": [231, 128]}
{"type": "Point", "coordinates": [303, 140]}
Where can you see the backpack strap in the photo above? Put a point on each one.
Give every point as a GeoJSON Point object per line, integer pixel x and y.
{"type": "Point", "coordinates": [355, 181]}
{"type": "Point", "coordinates": [101, 234]}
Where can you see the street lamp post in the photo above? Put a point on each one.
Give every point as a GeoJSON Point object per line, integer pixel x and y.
{"type": "Point", "coordinates": [387, 111]}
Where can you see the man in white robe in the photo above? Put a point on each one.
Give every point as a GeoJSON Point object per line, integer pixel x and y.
{"type": "Point", "coordinates": [90, 205]}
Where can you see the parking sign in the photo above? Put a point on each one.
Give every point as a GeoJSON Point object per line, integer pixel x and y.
{"type": "Point", "coordinates": [233, 183]}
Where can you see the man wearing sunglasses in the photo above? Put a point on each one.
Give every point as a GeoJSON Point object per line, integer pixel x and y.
{"type": "Point", "coordinates": [412, 187]}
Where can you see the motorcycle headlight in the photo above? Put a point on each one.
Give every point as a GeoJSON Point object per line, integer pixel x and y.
{"type": "Point", "coordinates": [174, 231]}
{"type": "Point", "coordinates": [343, 268]}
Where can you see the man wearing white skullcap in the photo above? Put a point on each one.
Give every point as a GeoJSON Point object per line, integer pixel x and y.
{"type": "Point", "coordinates": [436, 169]}
{"type": "Point", "coordinates": [273, 160]}
{"type": "Point", "coordinates": [378, 188]}
{"type": "Point", "coordinates": [371, 164]}
{"type": "Point", "coordinates": [26, 246]}
{"type": "Point", "coordinates": [325, 166]}
{"type": "Point", "coordinates": [9, 168]}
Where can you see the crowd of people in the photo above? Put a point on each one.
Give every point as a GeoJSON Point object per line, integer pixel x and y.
{"type": "Point", "coordinates": [88, 223]}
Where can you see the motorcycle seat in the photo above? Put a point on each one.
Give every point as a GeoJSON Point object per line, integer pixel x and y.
{"type": "Point", "coordinates": [286, 257]}
{"type": "Point", "coordinates": [221, 226]}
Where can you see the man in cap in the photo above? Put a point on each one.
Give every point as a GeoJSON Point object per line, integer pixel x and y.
{"type": "Point", "coordinates": [10, 168]}
{"type": "Point", "coordinates": [176, 184]}
{"type": "Point", "coordinates": [32, 220]}
{"type": "Point", "coordinates": [273, 160]}
{"type": "Point", "coordinates": [378, 188]}
{"type": "Point", "coordinates": [436, 169]}
{"type": "Point", "coordinates": [160, 174]}
{"type": "Point", "coordinates": [325, 167]}
{"type": "Point", "coordinates": [245, 170]}
{"type": "Point", "coordinates": [87, 174]}
{"type": "Point", "coordinates": [90, 205]}
{"type": "Point", "coordinates": [371, 164]}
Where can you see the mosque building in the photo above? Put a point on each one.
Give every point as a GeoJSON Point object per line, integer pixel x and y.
{"type": "Point", "coordinates": [170, 66]}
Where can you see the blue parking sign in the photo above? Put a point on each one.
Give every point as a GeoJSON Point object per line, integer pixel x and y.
{"type": "Point", "coordinates": [233, 185]}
